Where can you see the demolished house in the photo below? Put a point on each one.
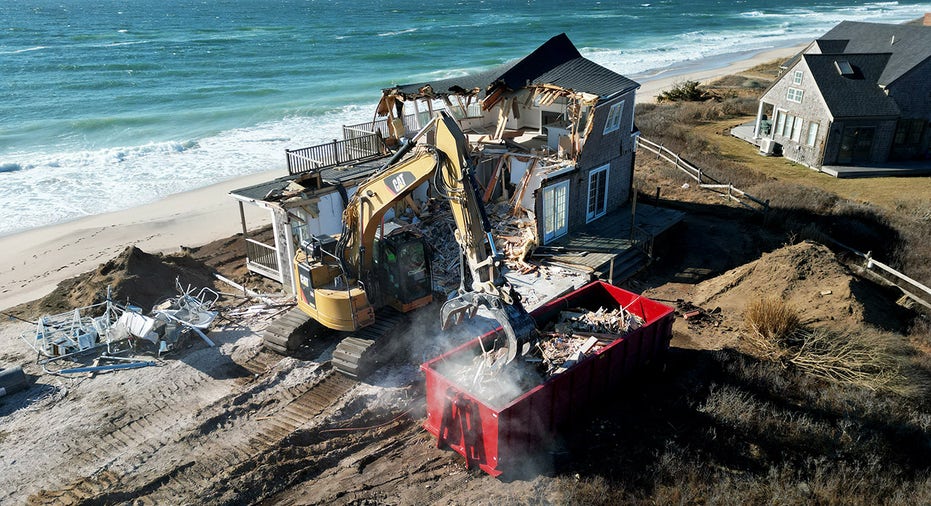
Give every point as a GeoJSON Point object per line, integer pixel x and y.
{"type": "Point", "coordinates": [552, 139]}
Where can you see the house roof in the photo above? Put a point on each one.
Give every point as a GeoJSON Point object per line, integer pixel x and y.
{"type": "Point", "coordinates": [330, 177]}
{"type": "Point", "coordinates": [557, 62]}
{"type": "Point", "coordinates": [908, 45]}
{"type": "Point", "coordinates": [855, 94]}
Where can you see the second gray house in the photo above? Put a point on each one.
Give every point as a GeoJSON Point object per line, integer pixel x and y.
{"type": "Point", "coordinates": [859, 95]}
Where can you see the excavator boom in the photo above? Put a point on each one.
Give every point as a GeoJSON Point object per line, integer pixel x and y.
{"type": "Point", "coordinates": [447, 163]}
{"type": "Point", "coordinates": [342, 283]}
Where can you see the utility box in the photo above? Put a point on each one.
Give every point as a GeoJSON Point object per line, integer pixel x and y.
{"type": "Point", "coordinates": [499, 437]}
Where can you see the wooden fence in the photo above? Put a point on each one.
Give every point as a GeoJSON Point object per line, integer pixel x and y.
{"type": "Point", "coordinates": [915, 290]}
{"type": "Point", "coordinates": [704, 180]}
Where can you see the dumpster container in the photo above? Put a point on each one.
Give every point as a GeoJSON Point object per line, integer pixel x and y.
{"type": "Point", "coordinates": [499, 437]}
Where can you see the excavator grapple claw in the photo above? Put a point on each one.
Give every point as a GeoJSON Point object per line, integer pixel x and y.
{"type": "Point", "coordinates": [515, 321]}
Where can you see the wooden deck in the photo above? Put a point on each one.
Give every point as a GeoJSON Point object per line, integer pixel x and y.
{"type": "Point", "coordinates": [607, 248]}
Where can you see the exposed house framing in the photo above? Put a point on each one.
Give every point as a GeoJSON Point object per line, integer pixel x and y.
{"type": "Point", "coordinates": [546, 132]}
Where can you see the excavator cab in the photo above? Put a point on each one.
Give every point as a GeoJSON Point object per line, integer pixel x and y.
{"type": "Point", "coordinates": [402, 262]}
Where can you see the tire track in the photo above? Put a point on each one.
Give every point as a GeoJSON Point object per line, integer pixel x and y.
{"type": "Point", "coordinates": [225, 447]}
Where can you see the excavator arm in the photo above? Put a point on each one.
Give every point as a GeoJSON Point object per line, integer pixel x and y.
{"type": "Point", "coordinates": [447, 162]}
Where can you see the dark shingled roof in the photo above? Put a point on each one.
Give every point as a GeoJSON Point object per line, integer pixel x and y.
{"type": "Point", "coordinates": [912, 44]}
{"type": "Point", "coordinates": [831, 46]}
{"type": "Point", "coordinates": [557, 62]}
{"type": "Point", "coordinates": [331, 176]}
{"type": "Point", "coordinates": [856, 95]}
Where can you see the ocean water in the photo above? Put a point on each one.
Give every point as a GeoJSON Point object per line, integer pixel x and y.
{"type": "Point", "coordinates": [108, 104]}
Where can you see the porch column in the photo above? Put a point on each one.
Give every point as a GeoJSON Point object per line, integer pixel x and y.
{"type": "Point", "coordinates": [759, 118]}
{"type": "Point", "coordinates": [284, 247]}
{"type": "Point", "coordinates": [242, 219]}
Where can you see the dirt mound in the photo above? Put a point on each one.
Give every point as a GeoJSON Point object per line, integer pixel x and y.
{"type": "Point", "coordinates": [806, 276]}
{"type": "Point", "coordinates": [134, 275]}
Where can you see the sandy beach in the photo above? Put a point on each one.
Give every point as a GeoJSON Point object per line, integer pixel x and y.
{"type": "Point", "coordinates": [32, 263]}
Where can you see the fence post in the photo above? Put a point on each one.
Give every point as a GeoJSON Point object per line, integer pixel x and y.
{"type": "Point", "coordinates": [335, 152]}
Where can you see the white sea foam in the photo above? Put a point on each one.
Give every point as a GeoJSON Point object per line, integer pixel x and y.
{"type": "Point", "coordinates": [42, 189]}
{"type": "Point", "coordinates": [399, 32]}
{"type": "Point", "coordinates": [25, 50]}
{"type": "Point", "coordinates": [652, 56]}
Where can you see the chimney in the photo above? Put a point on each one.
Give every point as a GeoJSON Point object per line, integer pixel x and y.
{"type": "Point", "coordinates": [927, 21]}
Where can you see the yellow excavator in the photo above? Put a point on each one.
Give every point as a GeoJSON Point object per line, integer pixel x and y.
{"type": "Point", "coordinates": [365, 281]}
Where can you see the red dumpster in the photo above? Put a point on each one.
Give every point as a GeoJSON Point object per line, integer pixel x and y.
{"type": "Point", "coordinates": [498, 437]}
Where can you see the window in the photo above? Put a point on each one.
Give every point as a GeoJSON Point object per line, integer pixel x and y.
{"type": "Point", "coordinates": [843, 67]}
{"type": "Point", "coordinates": [797, 129]}
{"type": "Point", "coordinates": [812, 134]}
{"type": "Point", "coordinates": [614, 117]}
{"type": "Point", "coordinates": [780, 122]}
{"type": "Point", "coordinates": [597, 193]}
{"type": "Point", "coordinates": [909, 131]}
{"type": "Point", "coordinates": [794, 95]}
{"type": "Point", "coordinates": [797, 78]}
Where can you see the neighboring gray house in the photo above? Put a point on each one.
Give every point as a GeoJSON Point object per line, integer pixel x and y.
{"type": "Point", "coordinates": [859, 95]}
{"type": "Point", "coordinates": [553, 132]}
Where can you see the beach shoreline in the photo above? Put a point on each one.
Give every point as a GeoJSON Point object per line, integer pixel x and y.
{"type": "Point", "coordinates": [35, 261]}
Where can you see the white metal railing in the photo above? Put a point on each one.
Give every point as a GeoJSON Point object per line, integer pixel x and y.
{"type": "Point", "coordinates": [263, 259]}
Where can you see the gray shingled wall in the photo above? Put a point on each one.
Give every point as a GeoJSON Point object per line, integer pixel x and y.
{"type": "Point", "coordinates": [812, 108]}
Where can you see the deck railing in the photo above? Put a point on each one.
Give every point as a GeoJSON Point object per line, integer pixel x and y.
{"type": "Point", "coordinates": [363, 145]}
{"type": "Point", "coordinates": [263, 259]}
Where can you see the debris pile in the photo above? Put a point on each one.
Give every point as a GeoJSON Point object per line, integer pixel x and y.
{"type": "Point", "coordinates": [112, 329]}
{"type": "Point", "coordinates": [515, 236]}
{"type": "Point", "coordinates": [573, 336]}
{"type": "Point", "coordinates": [579, 333]}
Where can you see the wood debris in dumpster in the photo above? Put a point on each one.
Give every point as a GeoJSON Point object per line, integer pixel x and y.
{"type": "Point", "coordinates": [573, 336]}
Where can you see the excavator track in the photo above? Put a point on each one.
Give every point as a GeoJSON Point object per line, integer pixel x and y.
{"type": "Point", "coordinates": [287, 333]}
{"type": "Point", "coordinates": [359, 353]}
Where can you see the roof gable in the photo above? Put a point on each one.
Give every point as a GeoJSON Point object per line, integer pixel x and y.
{"type": "Point", "coordinates": [557, 62]}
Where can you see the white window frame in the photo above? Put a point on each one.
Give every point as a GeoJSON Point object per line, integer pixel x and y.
{"type": "Point", "coordinates": [797, 129]}
{"type": "Point", "coordinates": [561, 229]}
{"type": "Point", "coordinates": [797, 77]}
{"type": "Point", "coordinates": [812, 133]}
{"type": "Point", "coordinates": [780, 122]}
{"type": "Point", "coordinates": [598, 211]}
{"type": "Point", "coordinates": [795, 95]}
{"type": "Point", "coordinates": [614, 117]}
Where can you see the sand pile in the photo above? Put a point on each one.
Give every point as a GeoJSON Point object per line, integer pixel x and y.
{"type": "Point", "coordinates": [134, 275]}
{"type": "Point", "coordinates": [807, 276]}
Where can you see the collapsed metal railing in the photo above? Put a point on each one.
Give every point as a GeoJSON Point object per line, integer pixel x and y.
{"type": "Point", "coordinates": [111, 329]}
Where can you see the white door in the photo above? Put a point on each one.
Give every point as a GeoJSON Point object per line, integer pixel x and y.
{"type": "Point", "coordinates": [597, 193]}
{"type": "Point", "coordinates": [555, 211]}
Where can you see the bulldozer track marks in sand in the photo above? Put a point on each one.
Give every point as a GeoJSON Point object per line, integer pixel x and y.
{"type": "Point", "coordinates": [257, 365]}
{"type": "Point", "coordinates": [215, 446]}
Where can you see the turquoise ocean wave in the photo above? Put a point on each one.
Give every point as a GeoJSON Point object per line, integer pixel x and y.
{"type": "Point", "coordinates": [106, 104]}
